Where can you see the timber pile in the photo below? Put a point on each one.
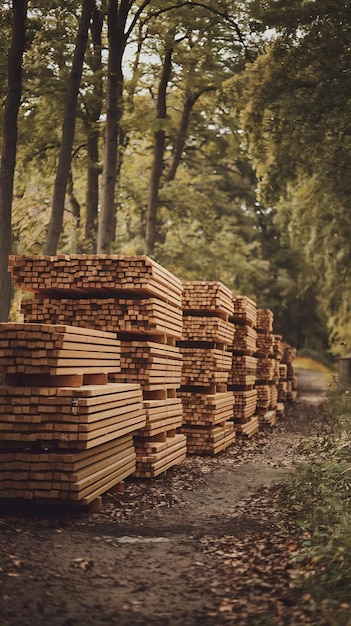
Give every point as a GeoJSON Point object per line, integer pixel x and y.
{"type": "Point", "coordinates": [243, 374]}
{"type": "Point", "coordinates": [131, 315]}
{"type": "Point", "coordinates": [105, 275]}
{"type": "Point", "coordinates": [138, 300]}
{"type": "Point", "coordinates": [205, 346]}
{"type": "Point", "coordinates": [66, 477]}
{"type": "Point", "coordinates": [67, 417]}
{"type": "Point", "coordinates": [207, 297]}
{"type": "Point", "coordinates": [30, 349]}
{"type": "Point", "coordinates": [278, 350]}
{"type": "Point", "coordinates": [265, 320]}
{"type": "Point", "coordinates": [291, 379]}
{"type": "Point", "coordinates": [267, 368]}
{"type": "Point", "coordinates": [244, 311]}
{"type": "Point", "coordinates": [282, 383]}
{"type": "Point", "coordinates": [62, 439]}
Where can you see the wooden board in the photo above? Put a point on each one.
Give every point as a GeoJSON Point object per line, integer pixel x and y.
{"type": "Point", "coordinates": [209, 329]}
{"type": "Point", "coordinates": [150, 364]}
{"type": "Point", "coordinates": [244, 310]}
{"type": "Point", "coordinates": [78, 477]}
{"type": "Point", "coordinates": [243, 372]}
{"type": "Point", "coordinates": [57, 350]}
{"type": "Point", "coordinates": [209, 440]}
{"type": "Point", "coordinates": [265, 320]}
{"type": "Point", "coordinates": [203, 367]}
{"type": "Point", "coordinates": [206, 409]}
{"type": "Point", "coordinates": [91, 274]}
{"type": "Point", "coordinates": [154, 457]}
{"type": "Point", "coordinates": [81, 418]}
{"type": "Point", "coordinates": [248, 429]}
{"type": "Point", "coordinates": [161, 416]}
{"type": "Point", "coordinates": [132, 315]}
{"type": "Point", "coordinates": [210, 296]}
{"type": "Point", "coordinates": [245, 340]}
{"type": "Point", "coordinates": [265, 369]}
{"type": "Point", "coordinates": [245, 404]}
{"type": "Point", "coordinates": [263, 395]}
{"type": "Point", "coordinates": [264, 344]}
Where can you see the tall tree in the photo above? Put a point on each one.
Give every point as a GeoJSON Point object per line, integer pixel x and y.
{"type": "Point", "coordinates": [8, 156]}
{"type": "Point", "coordinates": [295, 108]}
{"type": "Point", "coordinates": [92, 112]}
{"type": "Point", "coordinates": [121, 23]}
{"type": "Point", "coordinates": [159, 147]}
{"type": "Point", "coordinates": [70, 112]}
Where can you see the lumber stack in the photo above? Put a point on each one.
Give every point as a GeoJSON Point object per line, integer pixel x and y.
{"type": "Point", "coordinates": [30, 349]}
{"type": "Point", "coordinates": [282, 385]}
{"type": "Point", "coordinates": [131, 315]}
{"type": "Point", "coordinates": [67, 417]}
{"type": "Point", "coordinates": [267, 372]}
{"type": "Point", "coordinates": [105, 275]}
{"type": "Point", "coordinates": [291, 379]}
{"type": "Point", "coordinates": [76, 477]}
{"type": "Point", "coordinates": [205, 347]}
{"type": "Point", "coordinates": [139, 301]}
{"type": "Point", "coordinates": [243, 374]}
{"type": "Point", "coordinates": [66, 434]}
{"type": "Point", "coordinates": [279, 387]}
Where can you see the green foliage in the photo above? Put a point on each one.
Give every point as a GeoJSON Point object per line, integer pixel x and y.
{"type": "Point", "coordinates": [295, 108]}
{"type": "Point", "coordinates": [319, 500]}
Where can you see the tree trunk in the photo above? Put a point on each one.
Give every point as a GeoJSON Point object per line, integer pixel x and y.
{"type": "Point", "coordinates": [94, 108]}
{"type": "Point", "coordinates": [92, 191]}
{"type": "Point", "coordinates": [190, 101]}
{"type": "Point", "coordinates": [69, 122]}
{"type": "Point", "coordinates": [117, 16]}
{"type": "Point", "coordinates": [159, 147]}
{"type": "Point", "coordinates": [8, 156]}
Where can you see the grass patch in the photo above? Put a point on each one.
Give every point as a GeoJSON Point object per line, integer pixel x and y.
{"type": "Point", "coordinates": [307, 363]}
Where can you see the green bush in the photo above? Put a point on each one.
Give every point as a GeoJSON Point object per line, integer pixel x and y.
{"type": "Point", "coordinates": [319, 498]}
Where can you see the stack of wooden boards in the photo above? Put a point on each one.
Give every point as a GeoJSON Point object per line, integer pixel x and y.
{"type": "Point", "coordinates": [138, 300]}
{"type": "Point", "coordinates": [205, 346]}
{"type": "Point", "coordinates": [66, 433]}
{"type": "Point", "coordinates": [243, 375]}
{"type": "Point", "coordinates": [122, 369]}
{"type": "Point", "coordinates": [288, 374]}
{"type": "Point", "coordinates": [266, 375]}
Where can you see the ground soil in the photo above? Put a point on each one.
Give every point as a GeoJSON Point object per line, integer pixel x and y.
{"type": "Point", "coordinates": [207, 543]}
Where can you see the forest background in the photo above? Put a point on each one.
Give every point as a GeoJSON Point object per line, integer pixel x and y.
{"type": "Point", "coordinates": [213, 136]}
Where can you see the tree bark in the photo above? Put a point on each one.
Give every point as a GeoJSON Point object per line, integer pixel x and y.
{"type": "Point", "coordinates": [8, 156]}
{"type": "Point", "coordinates": [68, 130]}
{"type": "Point", "coordinates": [117, 16]}
{"type": "Point", "coordinates": [159, 148]}
{"type": "Point", "coordinates": [94, 108]}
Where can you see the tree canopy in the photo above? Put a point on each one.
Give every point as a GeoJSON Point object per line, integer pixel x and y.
{"type": "Point", "coordinates": [212, 135]}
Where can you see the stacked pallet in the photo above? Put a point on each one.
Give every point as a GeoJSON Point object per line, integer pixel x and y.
{"type": "Point", "coordinates": [242, 377]}
{"type": "Point", "coordinates": [267, 372]}
{"type": "Point", "coordinates": [291, 379]}
{"type": "Point", "coordinates": [66, 434]}
{"type": "Point", "coordinates": [140, 301]}
{"type": "Point", "coordinates": [207, 335]}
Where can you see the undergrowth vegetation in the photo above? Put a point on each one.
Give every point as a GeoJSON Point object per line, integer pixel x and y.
{"type": "Point", "coordinates": [319, 498]}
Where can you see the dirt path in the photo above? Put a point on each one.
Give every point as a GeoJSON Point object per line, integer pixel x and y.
{"type": "Point", "coordinates": [194, 546]}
